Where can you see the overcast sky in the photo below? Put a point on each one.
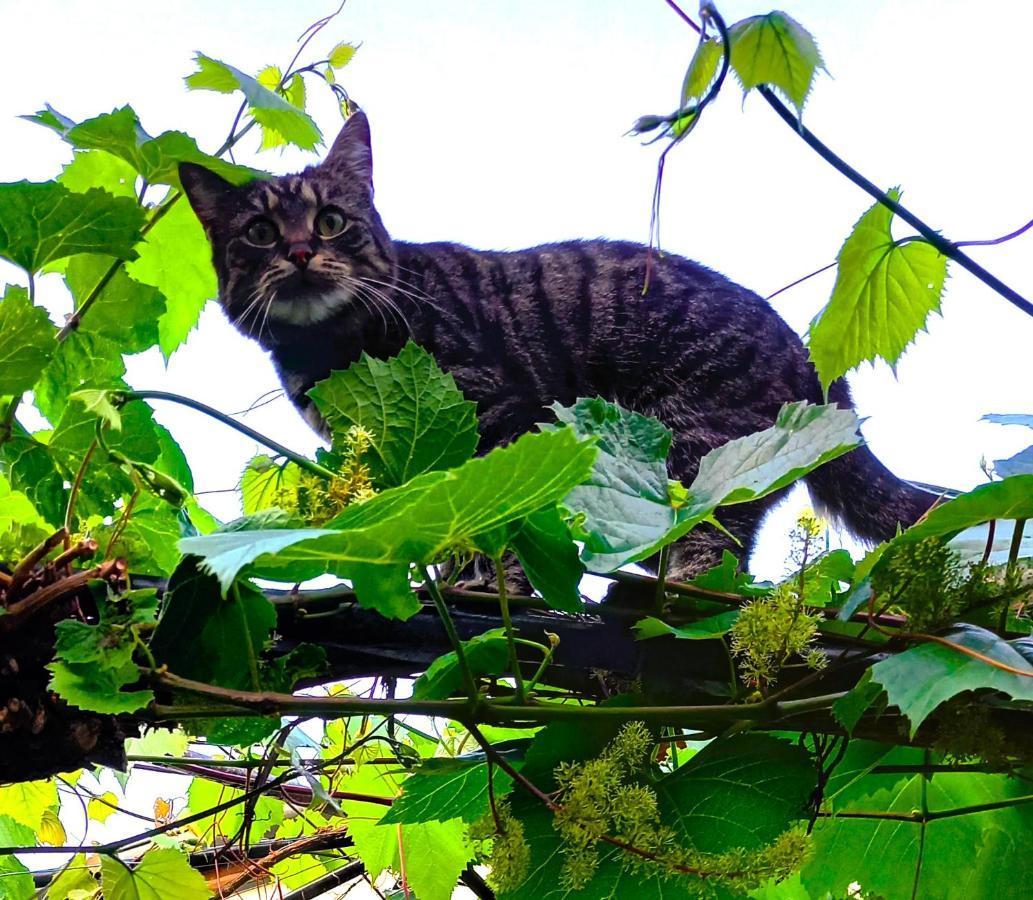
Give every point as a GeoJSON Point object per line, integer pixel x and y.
{"type": "Point", "coordinates": [502, 124]}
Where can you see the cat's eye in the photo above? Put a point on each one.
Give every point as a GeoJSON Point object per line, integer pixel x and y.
{"type": "Point", "coordinates": [261, 233]}
{"type": "Point", "coordinates": [330, 222]}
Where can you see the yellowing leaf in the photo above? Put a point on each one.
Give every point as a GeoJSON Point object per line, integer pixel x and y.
{"type": "Point", "coordinates": [162, 810]}
{"type": "Point", "coordinates": [775, 50]}
{"type": "Point", "coordinates": [26, 802]}
{"type": "Point", "coordinates": [102, 807]}
{"type": "Point", "coordinates": [51, 831]}
{"type": "Point", "coordinates": [269, 77]}
{"type": "Point", "coordinates": [883, 295]}
{"type": "Point", "coordinates": [341, 55]}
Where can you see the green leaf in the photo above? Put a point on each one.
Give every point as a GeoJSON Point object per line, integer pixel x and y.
{"type": "Point", "coordinates": [269, 109]}
{"type": "Point", "coordinates": [341, 55]}
{"type": "Point", "coordinates": [79, 360]}
{"type": "Point", "coordinates": [1011, 498]}
{"type": "Point", "coordinates": [99, 169]}
{"type": "Point", "coordinates": [849, 708]}
{"type": "Point", "coordinates": [443, 789]}
{"type": "Point", "coordinates": [177, 260]}
{"type": "Point", "coordinates": [920, 679]}
{"type": "Point", "coordinates": [75, 881]}
{"type": "Point", "coordinates": [883, 296]}
{"type": "Point", "coordinates": [98, 689]}
{"type": "Point", "coordinates": [224, 826]}
{"type": "Point", "coordinates": [41, 222]}
{"type": "Point", "coordinates": [149, 539]}
{"type": "Point", "coordinates": [17, 880]}
{"type": "Point", "coordinates": [262, 480]}
{"type": "Point", "coordinates": [704, 629]}
{"type": "Point", "coordinates": [16, 508]}
{"type": "Point", "coordinates": [549, 557]}
{"type": "Point", "coordinates": [33, 472]}
{"type": "Point", "coordinates": [160, 875]}
{"type": "Point", "coordinates": [740, 791]}
{"type": "Point", "coordinates": [416, 414]}
{"type": "Point", "coordinates": [385, 589]}
{"type": "Point", "coordinates": [822, 578]}
{"type": "Point", "coordinates": [702, 71]}
{"type": "Point", "coordinates": [26, 802]}
{"type": "Point", "coordinates": [125, 311]}
{"type": "Point", "coordinates": [26, 341]}
{"type": "Point", "coordinates": [433, 853]}
{"type": "Point", "coordinates": [778, 51]}
{"type": "Point", "coordinates": [208, 638]}
{"type": "Point", "coordinates": [629, 513]}
{"type": "Point", "coordinates": [156, 159]}
{"type": "Point", "coordinates": [727, 578]}
{"type": "Point", "coordinates": [417, 522]}
{"type": "Point", "coordinates": [486, 654]}
{"type": "Point", "coordinates": [895, 858]}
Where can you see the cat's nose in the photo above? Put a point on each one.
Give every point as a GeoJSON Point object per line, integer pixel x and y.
{"type": "Point", "coordinates": [300, 254]}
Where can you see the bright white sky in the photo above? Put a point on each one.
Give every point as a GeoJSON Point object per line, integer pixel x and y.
{"type": "Point", "coordinates": [502, 125]}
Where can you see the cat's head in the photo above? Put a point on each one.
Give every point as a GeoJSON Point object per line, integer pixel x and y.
{"type": "Point", "coordinates": [300, 249]}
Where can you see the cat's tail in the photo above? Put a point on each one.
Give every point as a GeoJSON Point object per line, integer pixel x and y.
{"type": "Point", "coordinates": [861, 493]}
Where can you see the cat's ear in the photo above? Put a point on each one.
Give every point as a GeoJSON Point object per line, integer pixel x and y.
{"type": "Point", "coordinates": [209, 194]}
{"type": "Point", "coordinates": [351, 157]}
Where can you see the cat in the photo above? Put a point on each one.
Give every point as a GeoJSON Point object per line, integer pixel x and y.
{"type": "Point", "coordinates": [306, 267]}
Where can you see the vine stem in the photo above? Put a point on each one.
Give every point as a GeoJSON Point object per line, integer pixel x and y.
{"type": "Point", "coordinates": [275, 446]}
{"type": "Point", "coordinates": [73, 496]}
{"type": "Point", "coordinates": [507, 623]}
{"type": "Point", "coordinates": [469, 681]}
{"type": "Point", "coordinates": [948, 248]}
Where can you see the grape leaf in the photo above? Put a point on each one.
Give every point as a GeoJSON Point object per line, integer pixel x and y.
{"type": "Point", "coordinates": [99, 169]}
{"type": "Point", "coordinates": [202, 636]}
{"type": "Point", "coordinates": [485, 654]}
{"type": "Point", "coordinates": [81, 360]}
{"type": "Point", "coordinates": [262, 480]}
{"type": "Point", "coordinates": [1019, 464]}
{"type": "Point", "coordinates": [882, 298]}
{"type": "Point", "coordinates": [125, 311]}
{"type": "Point", "coordinates": [26, 340]}
{"type": "Point", "coordinates": [41, 222]}
{"type": "Point", "coordinates": [549, 557]}
{"type": "Point", "coordinates": [1009, 419]}
{"type": "Point", "coordinates": [443, 789]}
{"type": "Point", "coordinates": [1011, 498]}
{"type": "Point", "coordinates": [729, 579]}
{"type": "Point", "coordinates": [17, 880]}
{"type": "Point", "coordinates": [162, 874]}
{"type": "Point", "coordinates": [33, 472]}
{"type": "Point", "coordinates": [177, 260]}
{"type": "Point", "coordinates": [156, 159]}
{"type": "Point", "coordinates": [26, 802]}
{"type": "Point", "coordinates": [920, 679]}
{"type": "Point", "coordinates": [416, 414]}
{"type": "Point", "coordinates": [341, 55]}
{"type": "Point", "coordinates": [704, 629]}
{"type": "Point", "coordinates": [16, 508]}
{"type": "Point", "coordinates": [270, 110]}
{"type": "Point", "coordinates": [628, 512]}
{"type": "Point", "coordinates": [386, 589]}
{"type": "Point", "coordinates": [417, 522]}
{"type": "Point", "coordinates": [775, 50]}
{"type": "Point", "coordinates": [75, 881]}
{"type": "Point", "coordinates": [702, 71]}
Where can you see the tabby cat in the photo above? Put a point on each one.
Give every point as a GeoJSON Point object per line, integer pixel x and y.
{"type": "Point", "coordinates": [307, 268]}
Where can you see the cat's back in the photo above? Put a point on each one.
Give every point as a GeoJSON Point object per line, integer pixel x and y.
{"type": "Point", "coordinates": [579, 317]}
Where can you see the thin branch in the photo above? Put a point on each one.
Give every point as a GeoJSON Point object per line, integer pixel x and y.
{"type": "Point", "coordinates": [807, 277]}
{"type": "Point", "coordinates": [276, 447]}
{"type": "Point", "coordinates": [1011, 235]}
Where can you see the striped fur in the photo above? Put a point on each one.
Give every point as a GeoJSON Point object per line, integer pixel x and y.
{"type": "Point", "coordinates": [520, 330]}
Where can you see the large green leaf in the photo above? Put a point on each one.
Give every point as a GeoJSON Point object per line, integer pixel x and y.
{"type": "Point", "coordinates": [162, 874]}
{"type": "Point", "coordinates": [33, 471]}
{"type": "Point", "coordinates": [417, 416]}
{"type": "Point", "coordinates": [775, 50]}
{"type": "Point", "coordinates": [156, 159]}
{"type": "Point", "coordinates": [125, 311]}
{"type": "Point", "coordinates": [443, 789]}
{"type": "Point", "coordinates": [629, 514]}
{"type": "Point", "coordinates": [417, 522]}
{"type": "Point", "coordinates": [82, 360]}
{"type": "Point", "coordinates": [742, 791]}
{"type": "Point", "coordinates": [177, 260]}
{"type": "Point", "coordinates": [893, 858]}
{"type": "Point", "coordinates": [26, 341]}
{"type": "Point", "coordinates": [98, 169]}
{"type": "Point", "coordinates": [270, 110]}
{"type": "Point", "coordinates": [702, 630]}
{"type": "Point", "coordinates": [1011, 498]}
{"type": "Point", "coordinates": [207, 637]}
{"type": "Point", "coordinates": [883, 295]}
{"type": "Point", "coordinates": [920, 679]}
{"type": "Point", "coordinates": [41, 222]}
{"type": "Point", "coordinates": [16, 508]}
{"type": "Point", "coordinates": [26, 802]}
